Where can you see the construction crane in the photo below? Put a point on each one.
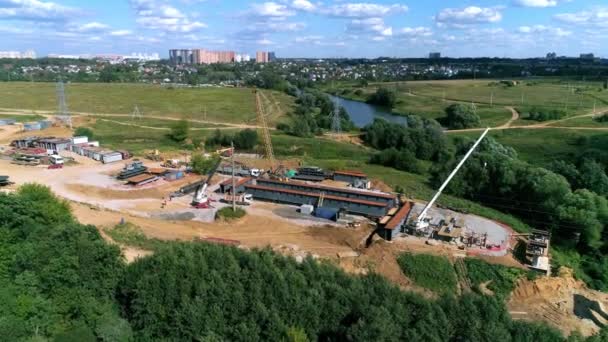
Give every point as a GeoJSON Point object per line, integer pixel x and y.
{"type": "Point", "coordinates": [261, 117]}
{"type": "Point", "coordinates": [421, 222]}
{"type": "Point", "coordinates": [200, 199]}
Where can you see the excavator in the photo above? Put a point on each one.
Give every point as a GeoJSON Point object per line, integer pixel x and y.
{"type": "Point", "coordinates": [201, 200]}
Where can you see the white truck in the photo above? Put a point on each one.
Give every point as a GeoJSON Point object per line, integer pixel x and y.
{"type": "Point", "coordinates": [243, 199]}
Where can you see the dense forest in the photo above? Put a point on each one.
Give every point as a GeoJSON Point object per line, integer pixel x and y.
{"type": "Point", "coordinates": [60, 281]}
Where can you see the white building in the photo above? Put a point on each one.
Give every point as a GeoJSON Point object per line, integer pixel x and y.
{"type": "Point", "coordinates": [246, 58]}
{"type": "Point", "coordinates": [17, 54]}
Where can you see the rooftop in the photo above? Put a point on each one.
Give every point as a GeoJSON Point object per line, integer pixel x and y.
{"type": "Point", "coordinates": [399, 217]}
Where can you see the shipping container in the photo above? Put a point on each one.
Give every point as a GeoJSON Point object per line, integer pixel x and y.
{"type": "Point", "coordinates": [45, 124]}
{"type": "Point", "coordinates": [171, 176]}
{"type": "Point", "coordinates": [32, 126]}
{"type": "Point", "coordinates": [80, 140]}
{"type": "Point", "coordinates": [111, 157]}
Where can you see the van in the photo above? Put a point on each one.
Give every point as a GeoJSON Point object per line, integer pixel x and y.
{"type": "Point", "coordinates": [56, 159]}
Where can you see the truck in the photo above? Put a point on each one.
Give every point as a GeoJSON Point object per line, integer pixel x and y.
{"type": "Point", "coordinates": [240, 171]}
{"type": "Point", "coordinates": [242, 199]}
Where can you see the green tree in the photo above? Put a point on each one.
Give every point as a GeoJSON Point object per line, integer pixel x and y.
{"type": "Point", "coordinates": [180, 131]}
{"type": "Point", "coordinates": [84, 132]}
{"type": "Point", "coordinates": [460, 116]}
{"type": "Point", "coordinates": [383, 97]}
{"type": "Point", "coordinates": [246, 139]}
{"type": "Point", "coordinates": [201, 164]}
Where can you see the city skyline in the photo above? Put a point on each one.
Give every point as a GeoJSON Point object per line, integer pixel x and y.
{"type": "Point", "coordinates": [302, 28]}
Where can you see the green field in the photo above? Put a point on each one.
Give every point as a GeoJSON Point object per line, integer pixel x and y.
{"type": "Point", "coordinates": [157, 123]}
{"type": "Point", "coordinates": [233, 105]}
{"type": "Point", "coordinates": [22, 118]}
{"type": "Point", "coordinates": [429, 98]}
{"type": "Point", "coordinates": [138, 139]}
{"type": "Point", "coordinates": [541, 146]}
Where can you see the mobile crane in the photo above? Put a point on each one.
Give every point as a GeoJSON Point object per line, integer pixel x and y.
{"type": "Point", "coordinates": [421, 222]}
{"type": "Point", "coordinates": [200, 199]}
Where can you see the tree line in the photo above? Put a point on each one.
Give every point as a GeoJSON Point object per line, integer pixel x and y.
{"type": "Point", "coordinates": [59, 280]}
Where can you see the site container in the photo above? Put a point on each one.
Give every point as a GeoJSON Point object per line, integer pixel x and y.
{"type": "Point", "coordinates": [327, 213]}
{"type": "Point", "coordinates": [306, 209]}
{"type": "Point", "coordinates": [45, 124]}
{"type": "Point", "coordinates": [5, 122]}
{"type": "Point", "coordinates": [80, 140]}
{"type": "Point", "coordinates": [31, 126]}
{"type": "Point", "coordinates": [111, 157]}
{"type": "Point", "coordinates": [174, 175]}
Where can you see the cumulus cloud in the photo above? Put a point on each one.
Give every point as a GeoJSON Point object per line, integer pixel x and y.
{"type": "Point", "coordinates": [536, 29]}
{"type": "Point", "coordinates": [468, 15]}
{"type": "Point", "coordinates": [35, 10]}
{"type": "Point", "coordinates": [597, 17]}
{"type": "Point", "coordinates": [363, 10]}
{"type": "Point", "coordinates": [374, 25]}
{"type": "Point", "coordinates": [91, 27]}
{"type": "Point", "coordinates": [271, 9]}
{"type": "Point", "coordinates": [303, 5]}
{"type": "Point", "coordinates": [265, 42]}
{"type": "Point", "coordinates": [160, 16]}
{"type": "Point", "coordinates": [121, 33]}
{"type": "Point", "coordinates": [315, 39]}
{"type": "Point", "coordinates": [536, 3]}
{"type": "Point", "coordinates": [415, 32]}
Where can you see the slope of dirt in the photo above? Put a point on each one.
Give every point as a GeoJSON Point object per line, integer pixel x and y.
{"type": "Point", "coordinates": [563, 302]}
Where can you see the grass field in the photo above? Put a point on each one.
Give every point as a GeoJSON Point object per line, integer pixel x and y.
{"type": "Point", "coordinates": [158, 123]}
{"type": "Point", "coordinates": [138, 139]}
{"type": "Point", "coordinates": [429, 98]}
{"type": "Point", "coordinates": [22, 118]}
{"type": "Point", "coordinates": [541, 146]}
{"type": "Point", "coordinates": [233, 105]}
{"type": "Point", "coordinates": [497, 278]}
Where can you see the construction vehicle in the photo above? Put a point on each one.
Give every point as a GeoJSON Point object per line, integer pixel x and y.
{"type": "Point", "coordinates": [242, 199]}
{"type": "Point", "coordinates": [241, 171]}
{"type": "Point", "coordinates": [224, 152]}
{"type": "Point", "coordinates": [154, 156]}
{"type": "Point", "coordinates": [4, 181]}
{"type": "Point", "coordinates": [171, 164]}
{"type": "Point", "coordinates": [422, 222]}
{"type": "Point", "coordinates": [201, 200]}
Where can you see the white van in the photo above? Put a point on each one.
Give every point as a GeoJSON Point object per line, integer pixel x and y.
{"type": "Point", "coordinates": [55, 159]}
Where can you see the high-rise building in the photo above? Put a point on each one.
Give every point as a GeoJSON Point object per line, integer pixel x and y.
{"type": "Point", "coordinates": [434, 55]}
{"type": "Point", "coordinates": [261, 57]}
{"type": "Point", "coordinates": [272, 57]}
{"type": "Point", "coordinates": [180, 56]}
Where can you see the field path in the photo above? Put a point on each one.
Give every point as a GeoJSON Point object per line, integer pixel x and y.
{"type": "Point", "coordinates": [49, 113]}
{"type": "Point", "coordinates": [514, 117]}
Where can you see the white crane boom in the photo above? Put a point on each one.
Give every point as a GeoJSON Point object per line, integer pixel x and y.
{"type": "Point", "coordinates": [422, 216]}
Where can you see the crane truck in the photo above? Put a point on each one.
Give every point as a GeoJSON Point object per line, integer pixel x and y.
{"type": "Point", "coordinates": [421, 222]}
{"type": "Point", "coordinates": [201, 199]}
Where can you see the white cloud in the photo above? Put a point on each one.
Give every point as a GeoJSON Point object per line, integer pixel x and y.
{"type": "Point", "coordinates": [91, 27]}
{"type": "Point", "coordinates": [35, 10]}
{"type": "Point", "coordinates": [271, 9]}
{"type": "Point", "coordinates": [303, 5]}
{"type": "Point", "coordinates": [374, 25]}
{"type": "Point", "coordinates": [537, 29]}
{"type": "Point", "coordinates": [158, 16]}
{"type": "Point", "coordinates": [596, 17]}
{"type": "Point", "coordinates": [265, 42]}
{"type": "Point", "coordinates": [536, 3]}
{"type": "Point", "coordinates": [309, 39]}
{"type": "Point", "coordinates": [121, 33]}
{"type": "Point", "coordinates": [363, 10]}
{"type": "Point", "coordinates": [468, 15]}
{"type": "Point", "coordinates": [415, 32]}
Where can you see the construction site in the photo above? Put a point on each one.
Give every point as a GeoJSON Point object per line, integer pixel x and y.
{"type": "Point", "coordinates": [298, 210]}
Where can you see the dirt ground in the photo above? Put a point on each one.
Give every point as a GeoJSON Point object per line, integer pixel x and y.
{"type": "Point", "coordinates": [563, 302]}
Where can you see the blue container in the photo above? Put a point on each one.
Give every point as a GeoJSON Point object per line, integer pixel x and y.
{"type": "Point", "coordinates": [31, 126]}
{"type": "Point", "coordinates": [45, 124]}
{"type": "Point", "coordinates": [327, 213]}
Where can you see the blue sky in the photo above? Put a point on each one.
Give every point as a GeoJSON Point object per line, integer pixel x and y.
{"type": "Point", "coordinates": [308, 28]}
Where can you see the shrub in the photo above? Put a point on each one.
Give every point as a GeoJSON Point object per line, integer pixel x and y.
{"type": "Point", "coordinates": [228, 214]}
{"type": "Point", "coordinates": [85, 132]}
{"type": "Point", "coordinates": [383, 97]}
{"type": "Point", "coordinates": [542, 114]}
{"type": "Point", "coordinates": [429, 271]}
{"type": "Point", "coordinates": [460, 116]}
{"type": "Point", "coordinates": [501, 278]}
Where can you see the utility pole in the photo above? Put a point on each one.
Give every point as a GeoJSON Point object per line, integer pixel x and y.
{"type": "Point", "coordinates": [233, 180]}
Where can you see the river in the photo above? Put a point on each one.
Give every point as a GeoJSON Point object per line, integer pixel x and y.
{"type": "Point", "coordinates": [362, 113]}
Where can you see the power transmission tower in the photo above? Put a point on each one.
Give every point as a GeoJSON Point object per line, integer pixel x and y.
{"type": "Point", "coordinates": [336, 125]}
{"type": "Point", "coordinates": [62, 110]}
{"type": "Point", "coordinates": [136, 113]}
